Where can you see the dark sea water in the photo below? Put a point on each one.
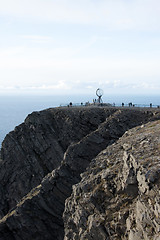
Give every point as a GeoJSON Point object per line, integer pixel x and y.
{"type": "Point", "coordinates": [14, 109]}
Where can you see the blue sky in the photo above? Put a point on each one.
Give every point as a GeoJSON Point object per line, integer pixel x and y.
{"type": "Point", "coordinates": [70, 46]}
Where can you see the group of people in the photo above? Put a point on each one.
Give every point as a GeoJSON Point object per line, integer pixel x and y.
{"type": "Point", "coordinates": [133, 105]}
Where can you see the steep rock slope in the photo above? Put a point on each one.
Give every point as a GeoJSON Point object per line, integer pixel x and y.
{"type": "Point", "coordinates": [118, 196]}
{"type": "Point", "coordinates": [37, 146]}
{"type": "Point", "coordinates": [39, 214]}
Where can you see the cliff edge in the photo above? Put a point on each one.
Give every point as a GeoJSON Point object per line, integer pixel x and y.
{"type": "Point", "coordinates": [67, 173]}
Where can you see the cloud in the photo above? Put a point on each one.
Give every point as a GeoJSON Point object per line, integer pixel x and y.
{"type": "Point", "coordinates": [149, 85]}
{"type": "Point", "coordinates": [57, 86]}
{"type": "Point", "coordinates": [38, 65]}
{"type": "Point", "coordinates": [117, 14]}
{"type": "Point", "coordinates": [117, 86]}
{"type": "Point", "coordinates": [37, 38]}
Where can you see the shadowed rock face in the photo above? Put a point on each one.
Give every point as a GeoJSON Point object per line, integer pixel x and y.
{"type": "Point", "coordinates": [37, 146]}
{"type": "Point", "coordinates": [65, 141]}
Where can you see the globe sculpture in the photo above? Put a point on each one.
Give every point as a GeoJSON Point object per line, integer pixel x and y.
{"type": "Point", "coordinates": [99, 93]}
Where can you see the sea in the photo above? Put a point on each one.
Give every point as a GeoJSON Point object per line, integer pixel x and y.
{"type": "Point", "coordinates": [14, 109]}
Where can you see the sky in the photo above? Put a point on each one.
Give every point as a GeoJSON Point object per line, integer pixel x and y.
{"type": "Point", "coordinates": [74, 47]}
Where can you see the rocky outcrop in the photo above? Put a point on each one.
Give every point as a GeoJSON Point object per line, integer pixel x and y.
{"type": "Point", "coordinates": [68, 141]}
{"type": "Point", "coordinates": [37, 146]}
{"type": "Point", "coordinates": [118, 196]}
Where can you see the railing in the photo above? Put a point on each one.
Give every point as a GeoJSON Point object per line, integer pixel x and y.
{"type": "Point", "coordinates": [128, 105]}
{"type": "Point", "coordinates": [136, 105]}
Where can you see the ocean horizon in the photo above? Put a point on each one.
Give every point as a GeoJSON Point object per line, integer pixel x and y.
{"type": "Point", "coordinates": [14, 109]}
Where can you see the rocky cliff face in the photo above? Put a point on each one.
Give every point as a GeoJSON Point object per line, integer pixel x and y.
{"type": "Point", "coordinates": [46, 155]}
{"type": "Point", "coordinates": [118, 195]}
{"type": "Point", "coordinates": [37, 146]}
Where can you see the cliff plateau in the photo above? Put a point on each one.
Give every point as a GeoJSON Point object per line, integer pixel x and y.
{"type": "Point", "coordinates": [81, 173]}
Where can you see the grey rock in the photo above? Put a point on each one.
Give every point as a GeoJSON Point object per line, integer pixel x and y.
{"type": "Point", "coordinates": [46, 155]}
{"type": "Point", "coordinates": [37, 146]}
{"type": "Point", "coordinates": [122, 199]}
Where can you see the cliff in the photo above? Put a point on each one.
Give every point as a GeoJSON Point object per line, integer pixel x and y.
{"type": "Point", "coordinates": [118, 195]}
{"type": "Point", "coordinates": [80, 173]}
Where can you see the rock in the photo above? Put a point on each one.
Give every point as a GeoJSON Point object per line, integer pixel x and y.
{"type": "Point", "coordinates": [120, 200]}
{"type": "Point", "coordinates": [37, 146]}
{"type": "Point", "coordinates": [61, 144]}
